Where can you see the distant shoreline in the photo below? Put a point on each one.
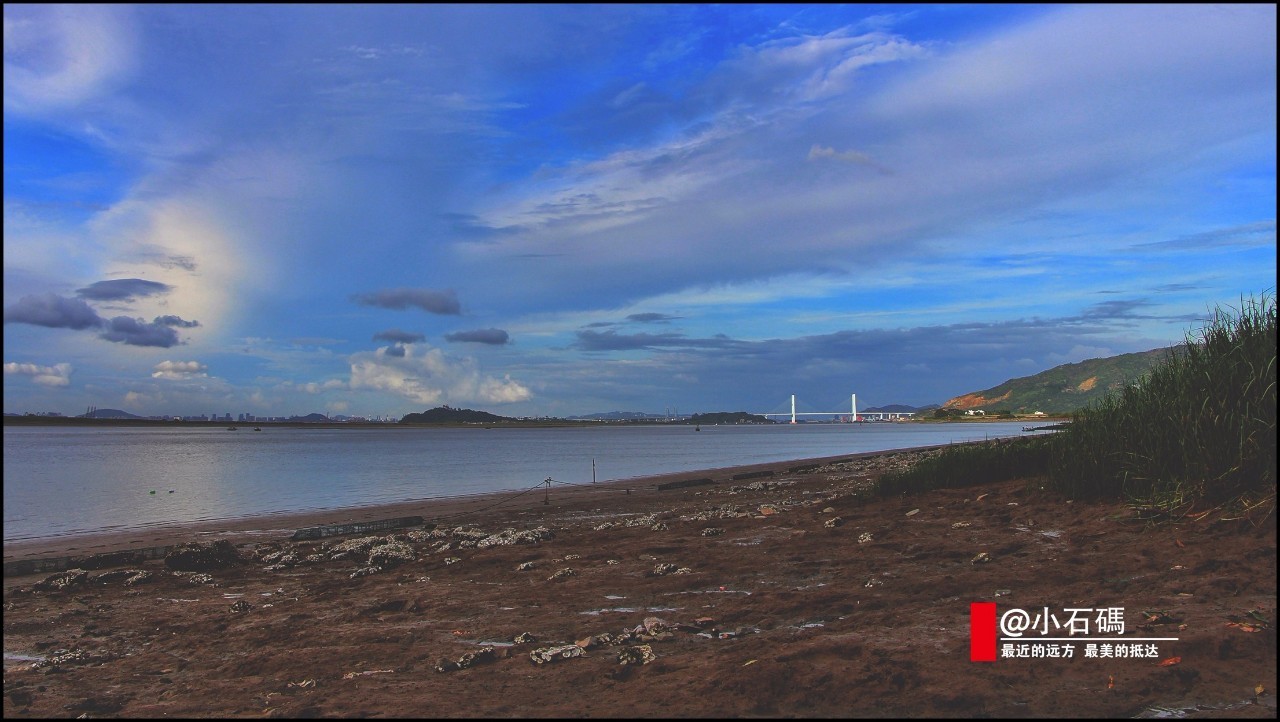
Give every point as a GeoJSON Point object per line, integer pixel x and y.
{"type": "Point", "coordinates": [61, 421]}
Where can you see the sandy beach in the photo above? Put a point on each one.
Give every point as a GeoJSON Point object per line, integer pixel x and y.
{"type": "Point", "coordinates": [776, 590]}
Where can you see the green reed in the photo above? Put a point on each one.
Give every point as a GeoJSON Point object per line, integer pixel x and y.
{"type": "Point", "coordinates": [970, 464]}
{"type": "Point", "coordinates": [1197, 430]}
{"type": "Point", "coordinates": [1200, 427]}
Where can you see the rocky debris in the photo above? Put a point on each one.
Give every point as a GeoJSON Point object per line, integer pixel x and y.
{"type": "Point", "coordinates": [829, 510]}
{"type": "Point", "coordinates": [130, 577]}
{"type": "Point", "coordinates": [350, 547]}
{"type": "Point", "coordinates": [63, 656]}
{"type": "Point", "coordinates": [544, 655]}
{"type": "Point", "coordinates": [524, 566]}
{"type": "Point", "coordinates": [512, 536]}
{"type": "Point", "coordinates": [418, 536]}
{"type": "Point", "coordinates": [282, 559]}
{"type": "Point", "coordinates": [603, 526]}
{"type": "Point", "coordinates": [612, 562]}
{"type": "Point", "coordinates": [760, 486]}
{"type": "Point", "coordinates": [364, 572]}
{"type": "Point", "coordinates": [524, 638]}
{"type": "Point", "coordinates": [62, 580]}
{"type": "Point", "coordinates": [197, 557]}
{"type": "Point", "coordinates": [960, 525]}
{"type": "Point", "coordinates": [864, 537]}
{"type": "Point", "coordinates": [562, 574]}
{"type": "Point", "coordinates": [665, 568]}
{"type": "Point", "coordinates": [646, 520]}
{"type": "Point", "coordinates": [769, 509]}
{"type": "Point", "coordinates": [470, 659]}
{"type": "Point", "coordinates": [240, 606]}
{"type": "Point", "coordinates": [712, 531]}
{"type": "Point", "coordinates": [982, 558]}
{"type": "Point", "coordinates": [467, 537]}
{"type": "Point", "coordinates": [195, 577]}
{"type": "Point", "coordinates": [391, 554]}
{"type": "Point", "coordinates": [660, 526]}
{"type": "Point", "coordinates": [639, 654]}
{"type": "Point", "coordinates": [724, 511]}
{"type": "Point", "coordinates": [449, 561]}
{"type": "Point", "coordinates": [833, 522]}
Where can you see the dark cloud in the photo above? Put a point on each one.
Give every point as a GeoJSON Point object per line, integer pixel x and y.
{"type": "Point", "coordinates": [441, 302]}
{"type": "Point", "coordinates": [52, 311]}
{"type": "Point", "coordinates": [1261, 233]}
{"type": "Point", "coordinates": [159, 333]}
{"type": "Point", "coordinates": [395, 335]}
{"type": "Point", "coordinates": [122, 289]}
{"type": "Point", "coordinates": [651, 317]}
{"type": "Point", "coordinates": [491, 336]}
{"type": "Point", "coordinates": [614, 341]}
{"type": "Point", "coordinates": [396, 351]}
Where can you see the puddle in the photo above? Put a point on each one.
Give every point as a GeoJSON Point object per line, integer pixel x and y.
{"type": "Point", "coordinates": [630, 610]}
{"type": "Point", "coordinates": [613, 596]}
{"type": "Point", "coordinates": [229, 595]}
{"type": "Point", "coordinates": [15, 657]}
{"type": "Point", "coordinates": [1182, 712]}
{"type": "Point", "coordinates": [710, 591]}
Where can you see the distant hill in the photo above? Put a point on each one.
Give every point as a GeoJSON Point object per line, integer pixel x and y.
{"type": "Point", "coordinates": [618, 416]}
{"type": "Point", "coordinates": [109, 414]}
{"type": "Point", "coordinates": [727, 417]}
{"type": "Point", "coordinates": [447, 415]}
{"type": "Point", "coordinates": [1065, 388]}
{"type": "Point", "coordinates": [898, 409]}
{"type": "Point", "coordinates": [310, 418]}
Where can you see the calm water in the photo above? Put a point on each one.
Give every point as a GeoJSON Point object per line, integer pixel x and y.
{"type": "Point", "coordinates": [80, 480]}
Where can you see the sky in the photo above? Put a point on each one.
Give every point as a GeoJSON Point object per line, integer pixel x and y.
{"type": "Point", "coordinates": [554, 210]}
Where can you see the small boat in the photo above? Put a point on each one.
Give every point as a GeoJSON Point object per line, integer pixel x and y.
{"type": "Point", "coordinates": [231, 428]}
{"type": "Point", "coordinates": [257, 428]}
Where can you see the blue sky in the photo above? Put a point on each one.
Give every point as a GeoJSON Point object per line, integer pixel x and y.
{"type": "Point", "coordinates": [559, 210]}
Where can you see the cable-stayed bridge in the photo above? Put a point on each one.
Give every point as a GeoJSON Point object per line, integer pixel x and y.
{"type": "Point", "coordinates": [851, 415]}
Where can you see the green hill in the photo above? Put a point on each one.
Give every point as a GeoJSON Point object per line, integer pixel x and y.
{"type": "Point", "coordinates": [447, 415]}
{"type": "Point", "coordinates": [1064, 388]}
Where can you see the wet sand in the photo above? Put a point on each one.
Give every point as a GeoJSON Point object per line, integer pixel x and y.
{"type": "Point", "coordinates": [790, 591]}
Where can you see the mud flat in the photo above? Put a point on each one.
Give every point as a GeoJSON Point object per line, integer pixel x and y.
{"type": "Point", "coordinates": [773, 590]}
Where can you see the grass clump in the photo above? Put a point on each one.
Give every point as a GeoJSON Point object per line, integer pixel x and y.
{"type": "Point", "coordinates": [970, 464]}
{"type": "Point", "coordinates": [1199, 429]}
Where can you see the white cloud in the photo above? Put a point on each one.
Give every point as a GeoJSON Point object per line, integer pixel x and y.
{"type": "Point", "coordinates": [56, 56]}
{"type": "Point", "coordinates": [430, 377]}
{"type": "Point", "coordinates": [56, 376]}
{"type": "Point", "coordinates": [177, 370]}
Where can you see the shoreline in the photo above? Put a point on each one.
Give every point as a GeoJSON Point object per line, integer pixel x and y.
{"type": "Point", "coordinates": [281, 525]}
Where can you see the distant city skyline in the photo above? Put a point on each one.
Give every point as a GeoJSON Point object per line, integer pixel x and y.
{"type": "Point", "coordinates": [559, 210]}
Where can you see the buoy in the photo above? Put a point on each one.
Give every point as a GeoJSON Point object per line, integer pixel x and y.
{"type": "Point", "coordinates": [171, 491]}
{"type": "Point", "coordinates": [153, 491]}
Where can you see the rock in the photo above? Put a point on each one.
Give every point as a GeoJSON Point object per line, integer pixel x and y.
{"type": "Point", "coordinates": [982, 558]}
{"type": "Point", "coordinates": [524, 638]}
{"type": "Point", "coordinates": [562, 574]}
{"type": "Point", "coordinates": [241, 606]}
{"type": "Point", "coordinates": [712, 531]}
{"type": "Point", "coordinates": [62, 580]}
{"type": "Point", "coordinates": [511, 536]}
{"type": "Point", "coordinates": [864, 537]}
{"type": "Point", "coordinates": [833, 522]}
{"type": "Point", "coordinates": [390, 555]}
{"type": "Point", "coordinates": [470, 659]}
{"type": "Point", "coordinates": [663, 569]}
{"type": "Point", "coordinates": [364, 572]}
{"type": "Point", "coordinates": [960, 525]}
{"type": "Point", "coordinates": [639, 654]}
{"type": "Point", "coordinates": [556, 654]}
{"type": "Point", "coordinates": [524, 566]}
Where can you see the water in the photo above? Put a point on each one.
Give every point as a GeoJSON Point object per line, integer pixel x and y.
{"type": "Point", "coordinates": [60, 481]}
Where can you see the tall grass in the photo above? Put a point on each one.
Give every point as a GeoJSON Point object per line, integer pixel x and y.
{"type": "Point", "coordinates": [1198, 429]}
{"type": "Point", "coordinates": [970, 464]}
{"type": "Point", "coordinates": [1201, 427]}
